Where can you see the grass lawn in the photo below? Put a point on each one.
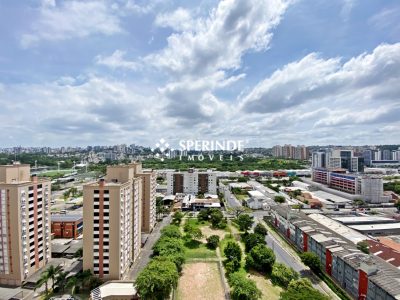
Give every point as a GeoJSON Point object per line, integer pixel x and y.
{"type": "Point", "coordinates": [241, 197]}
{"type": "Point", "coordinates": [268, 290]}
{"type": "Point", "coordinates": [198, 250]}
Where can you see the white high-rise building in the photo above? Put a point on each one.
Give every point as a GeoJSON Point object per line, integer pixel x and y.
{"type": "Point", "coordinates": [192, 182]}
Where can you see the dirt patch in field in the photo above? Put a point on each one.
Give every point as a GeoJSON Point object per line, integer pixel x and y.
{"type": "Point", "coordinates": [200, 281]}
{"type": "Point", "coordinates": [207, 231]}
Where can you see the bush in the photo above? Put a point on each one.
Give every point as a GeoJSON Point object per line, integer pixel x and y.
{"type": "Point", "coordinates": [260, 258]}
{"type": "Point", "coordinates": [363, 246]}
{"type": "Point", "coordinates": [301, 289]}
{"type": "Point", "coordinates": [279, 199]}
{"type": "Point", "coordinates": [243, 288]}
{"type": "Point", "coordinates": [171, 231]}
{"type": "Point", "coordinates": [178, 259]}
{"type": "Point", "coordinates": [312, 261]}
{"type": "Point", "coordinates": [213, 241]}
{"type": "Point", "coordinates": [282, 275]}
{"type": "Point", "coordinates": [260, 229]}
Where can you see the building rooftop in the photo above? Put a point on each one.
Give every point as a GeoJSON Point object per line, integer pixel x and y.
{"type": "Point", "coordinates": [366, 227]}
{"type": "Point", "coordinates": [66, 218]}
{"type": "Point", "coordinates": [363, 219]}
{"type": "Point", "coordinates": [256, 194]}
{"type": "Point", "coordinates": [339, 228]}
{"type": "Point", "coordinates": [330, 197]}
{"type": "Point", "coordinates": [117, 288]}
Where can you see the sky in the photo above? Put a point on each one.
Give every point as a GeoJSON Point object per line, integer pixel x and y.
{"type": "Point", "coordinates": [92, 72]}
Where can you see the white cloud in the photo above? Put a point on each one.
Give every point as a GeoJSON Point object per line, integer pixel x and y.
{"type": "Point", "coordinates": [365, 78]}
{"type": "Point", "coordinates": [179, 20]}
{"type": "Point", "coordinates": [220, 40]}
{"type": "Point", "coordinates": [71, 19]}
{"type": "Point", "coordinates": [117, 61]}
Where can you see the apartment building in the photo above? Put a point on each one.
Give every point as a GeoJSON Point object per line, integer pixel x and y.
{"type": "Point", "coordinates": [289, 151]}
{"type": "Point", "coordinates": [192, 182]}
{"type": "Point", "coordinates": [149, 183]}
{"type": "Point", "coordinates": [24, 223]}
{"type": "Point", "coordinates": [112, 218]}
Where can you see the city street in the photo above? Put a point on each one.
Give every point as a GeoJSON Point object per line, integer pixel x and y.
{"type": "Point", "coordinates": [146, 252]}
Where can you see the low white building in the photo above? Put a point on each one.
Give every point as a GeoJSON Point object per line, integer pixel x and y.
{"type": "Point", "coordinates": [257, 200]}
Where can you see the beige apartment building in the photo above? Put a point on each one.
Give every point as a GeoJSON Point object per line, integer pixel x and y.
{"type": "Point", "coordinates": [24, 223]}
{"type": "Point", "coordinates": [112, 218]}
{"type": "Point", "coordinates": [149, 184]}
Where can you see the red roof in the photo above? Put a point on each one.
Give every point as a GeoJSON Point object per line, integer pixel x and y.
{"type": "Point", "coordinates": [385, 252]}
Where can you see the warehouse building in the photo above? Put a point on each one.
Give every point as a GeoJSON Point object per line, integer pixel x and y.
{"type": "Point", "coordinates": [361, 275]}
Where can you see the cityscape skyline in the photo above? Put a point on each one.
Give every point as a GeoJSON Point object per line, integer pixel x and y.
{"type": "Point", "coordinates": [94, 72]}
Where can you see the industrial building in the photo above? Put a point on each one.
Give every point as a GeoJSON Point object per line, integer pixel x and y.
{"type": "Point", "coordinates": [66, 226]}
{"type": "Point", "coordinates": [368, 187]}
{"type": "Point", "coordinates": [361, 275]}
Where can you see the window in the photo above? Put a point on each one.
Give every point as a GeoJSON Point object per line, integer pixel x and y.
{"type": "Point", "coordinates": [96, 236]}
{"type": "Point", "coordinates": [96, 214]}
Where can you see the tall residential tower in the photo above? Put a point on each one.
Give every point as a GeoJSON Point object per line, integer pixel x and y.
{"type": "Point", "coordinates": [24, 223]}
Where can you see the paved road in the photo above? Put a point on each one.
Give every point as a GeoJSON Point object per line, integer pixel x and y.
{"type": "Point", "coordinates": [147, 251]}
{"type": "Point", "coordinates": [284, 256]}
{"type": "Point", "coordinates": [231, 199]}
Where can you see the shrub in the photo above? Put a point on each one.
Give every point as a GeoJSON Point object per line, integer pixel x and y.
{"type": "Point", "coordinates": [213, 241]}
{"type": "Point", "coordinates": [243, 288]}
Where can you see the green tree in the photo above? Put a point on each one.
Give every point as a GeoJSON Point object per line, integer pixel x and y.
{"type": "Point", "coordinates": [157, 280]}
{"type": "Point", "coordinates": [171, 231]}
{"type": "Point", "coordinates": [242, 179]}
{"type": "Point", "coordinates": [312, 261]}
{"type": "Point", "coordinates": [73, 284]}
{"type": "Point", "coordinates": [260, 258]}
{"type": "Point", "coordinates": [260, 229]}
{"type": "Point", "coordinates": [251, 240]}
{"type": "Point", "coordinates": [168, 246]}
{"type": "Point", "coordinates": [282, 274]}
{"type": "Point", "coordinates": [363, 246]}
{"type": "Point", "coordinates": [301, 289]}
{"type": "Point", "coordinates": [243, 288]}
{"type": "Point", "coordinates": [232, 265]}
{"type": "Point", "coordinates": [232, 251]}
{"type": "Point", "coordinates": [61, 280]}
{"type": "Point", "coordinates": [245, 222]}
{"type": "Point", "coordinates": [44, 278]}
{"type": "Point", "coordinates": [193, 232]}
{"type": "Point", "coordinates": [217, 219]}
{"type": "Point", "coordinates": [52, 273]}
{"type": "Point", "coordinates": [203, 215]}
{"type": "Point", "coordinates": [213, 241]}
{"type": "Point", "coordinates": [279, 199]}
{"type": "Point", "coordinates": [177, 218]}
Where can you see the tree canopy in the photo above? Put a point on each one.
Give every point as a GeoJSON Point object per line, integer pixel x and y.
{"type": "Point", "coordinates": [282, 274]}
{"type": "Point", "coordinates": [243, 288]}
{"type": "Point", "coordinates": [261, 229]}
{"type": "Point", "coordinates": [157, 280]}
{"type": "Point", "coordinates": [260, 258]}
{"type": "Point", "coordinates": [171, 231]}
{"type": "Point", "coordinates": [312, 261]}
{"type": "Point", "coordinates": [245, 222]}
{"type": "Point", "coordinates": [251, 240]}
